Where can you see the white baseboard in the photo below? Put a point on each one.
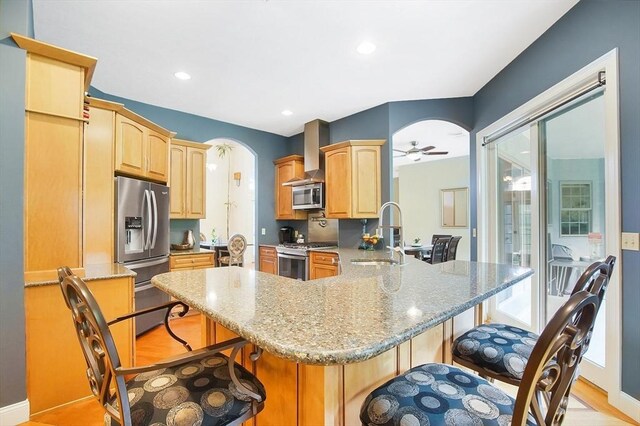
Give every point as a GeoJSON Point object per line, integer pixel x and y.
{"type": "Point", "coordinates": [628, 405]}
{"type": "Point", "coordinates": [14, 414]}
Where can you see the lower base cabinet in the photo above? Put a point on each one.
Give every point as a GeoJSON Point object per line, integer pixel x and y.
{"type": "Point", "coordinates": [184, 262]}
{"type": "Point", "coordinates": [268, 260]}
{"type": "Point", "coordinates": [315, 395]}
{"type": "Point", "coordinates": [56, 369]}
{"type": "Point", "coordinates": [323, 265]}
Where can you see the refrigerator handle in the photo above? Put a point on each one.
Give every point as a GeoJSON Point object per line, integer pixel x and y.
{"type": "Point", "coordinates": [148, 200]}
{"type": "Point", "coordinates": [155, 219]}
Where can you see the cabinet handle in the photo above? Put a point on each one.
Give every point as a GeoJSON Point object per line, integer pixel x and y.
{"type": "Point", "coordinates": [334, 261]}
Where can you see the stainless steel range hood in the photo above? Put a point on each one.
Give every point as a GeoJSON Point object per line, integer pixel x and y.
{"type": "Point", "coordinates": [316, 135]}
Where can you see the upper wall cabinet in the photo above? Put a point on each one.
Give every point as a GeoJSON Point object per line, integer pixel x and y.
{"type": "Point", "coordinates": [188, 179]}
{"type": "Point", "coordinates": [55, 82]}
{"type": "Point", "coordinates": [141, 151]}
{"type": "Point", "coordinates": [287, 168]}
{"type": "Point", "coordinates": [352, 176]}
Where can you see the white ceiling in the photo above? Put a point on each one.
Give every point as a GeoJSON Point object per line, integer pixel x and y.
{"type": "Point", "coordinates": [252, 59]}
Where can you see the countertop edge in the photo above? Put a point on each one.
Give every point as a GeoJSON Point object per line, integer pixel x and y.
{"type": "Point", "coordinates": [92, 273]}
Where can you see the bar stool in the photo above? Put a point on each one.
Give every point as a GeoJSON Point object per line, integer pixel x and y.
{"type": "Point", "coordinates": [439, 394]}
{"type": "Point", "coordinates": [200, 387]}
{"type": "Point", "coordinates": [501, 351]}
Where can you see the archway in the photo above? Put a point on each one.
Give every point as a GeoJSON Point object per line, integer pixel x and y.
{"type": "Point", "coordinates": [231, 194]}
{"type": "Point", "coordinates": [419, 178]}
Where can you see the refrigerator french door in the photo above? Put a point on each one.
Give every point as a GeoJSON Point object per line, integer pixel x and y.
{"type": "Point", "coordinates": [142, 241]}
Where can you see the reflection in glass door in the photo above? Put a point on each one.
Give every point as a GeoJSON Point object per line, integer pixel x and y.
{"type": "Point", "coordinates": [513, 242]}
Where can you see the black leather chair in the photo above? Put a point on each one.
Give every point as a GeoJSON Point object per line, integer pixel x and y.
{"type": "Point", "coordinates": [452, 248]}
{"type": "Point", "coordinates": [200, 387]}
{"type": "Point", "coordinates": [439, 250]}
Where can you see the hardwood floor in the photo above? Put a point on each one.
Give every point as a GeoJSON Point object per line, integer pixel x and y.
{"type": "Point", "coordinates": [589, 407]}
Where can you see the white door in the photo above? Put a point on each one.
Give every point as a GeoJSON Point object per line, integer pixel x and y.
{"type": "Point", "coordinates": [548, 199]}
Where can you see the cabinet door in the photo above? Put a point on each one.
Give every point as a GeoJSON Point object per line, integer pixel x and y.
{"type": "Point", "coordinates": [196, 183]}
{"type": "Point", "coordinates": [177, 193]}
{"type": "Point", "coordinates": [322, 271]}
{"type": "Point", "coordinates": [52, 193]}
{"type": "Point", "coordinates": [338, 183]}
{"type": "Point", "coordinates": [365, 178]}
{"type": "Point", "coordinates": [157, 156]}
{"type": "Point", "coordinates": [130, 147]}
{"type": "Point", "coordinates": [284, 172]}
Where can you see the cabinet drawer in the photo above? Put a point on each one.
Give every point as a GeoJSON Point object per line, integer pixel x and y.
{"type": "Point", "coordinates": [324, 258]}
{"type": "Point", "coordinates": [191, 261]}
{"type": "Point", "coordinates": [267, 252]}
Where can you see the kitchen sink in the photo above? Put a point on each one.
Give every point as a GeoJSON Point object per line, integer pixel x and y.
{"type": "Point", "coordinates": [374, 262]}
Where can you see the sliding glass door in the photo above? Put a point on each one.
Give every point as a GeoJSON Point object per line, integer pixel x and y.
{"type": "Point", "coordinates": [547, 212]}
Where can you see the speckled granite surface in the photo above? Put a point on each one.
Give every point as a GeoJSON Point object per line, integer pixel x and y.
{"type": "Point", "coordinates": [348, 318]}
{"type": "Point", "coordinates": [195, 250]}
{"type": "Point", "coordinates": [102, 271]}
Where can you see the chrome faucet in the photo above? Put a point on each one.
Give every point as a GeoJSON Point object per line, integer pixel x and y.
{"type": "Point", "coordinates": [400, 248]}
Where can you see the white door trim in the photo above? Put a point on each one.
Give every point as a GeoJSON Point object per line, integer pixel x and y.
{"type": "Point", "coordinates": [608, 63]}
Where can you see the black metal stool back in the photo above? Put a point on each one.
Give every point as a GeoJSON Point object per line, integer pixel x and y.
{"type": "Point", "coordinates": [439, 250]}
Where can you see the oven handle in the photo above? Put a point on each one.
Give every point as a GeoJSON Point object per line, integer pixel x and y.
{"type": "Point", "coordinates": [144, 287]}
{"type": "Point", "coordinates": [288, 256]}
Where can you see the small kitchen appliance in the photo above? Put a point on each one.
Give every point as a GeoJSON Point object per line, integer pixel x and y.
{"type": "Point", "coordinates": [286, 235]}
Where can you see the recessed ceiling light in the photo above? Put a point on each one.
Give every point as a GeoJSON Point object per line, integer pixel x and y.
{"type": "Point", "coordinates": [366, 48]}
{"type": "Point", "coordinates": [524, 152]}
{"type": "Point", "coordinates": [286, 112]}
{"type": "Point", "coordinates": [181, 75]}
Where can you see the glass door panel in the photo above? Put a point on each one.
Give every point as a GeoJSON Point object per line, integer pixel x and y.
{"type": "Point", "coordinates": [512, 226]}
{"type": "Point", "coordinates": [574, 144]}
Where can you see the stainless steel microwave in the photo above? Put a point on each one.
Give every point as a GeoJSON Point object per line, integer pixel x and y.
{"type": "Point", "coordinates": [307, 196]}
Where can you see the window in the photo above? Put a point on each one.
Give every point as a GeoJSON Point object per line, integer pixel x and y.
{"type": "Point", "coordinates": [575, 208]}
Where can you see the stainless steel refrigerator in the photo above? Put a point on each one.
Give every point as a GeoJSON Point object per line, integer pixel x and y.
{"type": "Point", "coordinates": [142, 241]}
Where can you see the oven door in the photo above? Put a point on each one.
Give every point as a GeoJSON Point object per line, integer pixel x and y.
{"type": "Point", "coordinates": [293, 266]}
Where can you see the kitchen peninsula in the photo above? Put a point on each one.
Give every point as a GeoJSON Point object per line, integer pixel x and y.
{"type": "Point", "coordinates": [327, 342]}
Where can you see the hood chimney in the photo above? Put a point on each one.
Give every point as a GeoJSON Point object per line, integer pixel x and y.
{"type": "Point", "coordinates": [316, 135]}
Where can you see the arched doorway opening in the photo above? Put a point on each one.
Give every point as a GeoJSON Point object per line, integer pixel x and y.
{"type": "Point", "coordinates": [421, 174]}
{"type": "Point", "coordinates": [231, 194]}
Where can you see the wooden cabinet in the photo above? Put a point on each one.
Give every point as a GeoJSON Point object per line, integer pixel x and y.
{"type": "Point", "coordinates": [188, 179]}
{"type": "Point", "coordinates": [56, 369]}
{"type": "Point", "coordinates": [183, 262]}
{"type": "Point", "coordinates": [323, 265]}
{"type": "Point", "coordinates": [55, 82]}
{"type": "Point", "coordinates": [353, 179]}
{"type": "Point", "coordinates": [287, 168]}
{"type": "Point", "coordinates": [142, 148]}
{"type": "Point", "coordinates": [268, 260]}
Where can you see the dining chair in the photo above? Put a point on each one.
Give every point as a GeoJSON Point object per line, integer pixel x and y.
{"type": "Point", "coordinates": [439, 250]}
{"type": "Point", "coordinates": [452, 249]}
{"type": "Point", "coordinates": [199, 387]}
{"type": "Point", "coordinates": [236, 247]}
{"type": "Point", "coordinates": [440, 394]}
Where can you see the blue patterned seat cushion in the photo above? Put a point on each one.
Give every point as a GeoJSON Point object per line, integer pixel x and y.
{"type": "Point", "coordinates": [197, 393]}
{"type": "Point", "coordinates": [437, 394]}
{"type": "Point", "coordinates": [500, 348]}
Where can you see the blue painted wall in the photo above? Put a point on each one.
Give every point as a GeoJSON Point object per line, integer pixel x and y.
{"type": "Point", "coordinates": [588, 31]}
{"type": "Point", "coordinates": [14, 17]}
{"type": "Point", "coordinates": [266, 146]}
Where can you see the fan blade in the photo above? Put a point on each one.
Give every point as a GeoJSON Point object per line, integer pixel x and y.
{"type": "Point", "coordinates": [427, 148]}
{"type": "Point", "coordinates": [436, 153]}
{"type": "Point", "coordinates": [399, 150]}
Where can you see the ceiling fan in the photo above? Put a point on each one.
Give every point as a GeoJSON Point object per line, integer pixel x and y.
{"type": "Point", "coordinates": [416, 153]}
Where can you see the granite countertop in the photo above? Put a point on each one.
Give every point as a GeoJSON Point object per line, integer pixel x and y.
{"type": "Point", "coordinates": [268, 245]}
{"type": "Point", "coordinates": [351, 317]}
{"type": "Point", "coordinates": [194, 250]}
{"type": "Point", "coordinates": [101, 271]}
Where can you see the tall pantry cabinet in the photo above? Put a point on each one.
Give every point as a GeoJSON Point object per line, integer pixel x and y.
{"type": "Point", "coordinates": [55, 84]}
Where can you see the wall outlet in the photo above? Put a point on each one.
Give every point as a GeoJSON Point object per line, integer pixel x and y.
{"type": "Point", "coordinates": [630, 241]}
{"type": "Point", "coordinates": [264, 231]}
{"type": "Point", "coordinates": [474, 233]}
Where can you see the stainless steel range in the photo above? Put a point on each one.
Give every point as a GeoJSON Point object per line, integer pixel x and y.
{"type": "Point", "coordinates": [293, 258]}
